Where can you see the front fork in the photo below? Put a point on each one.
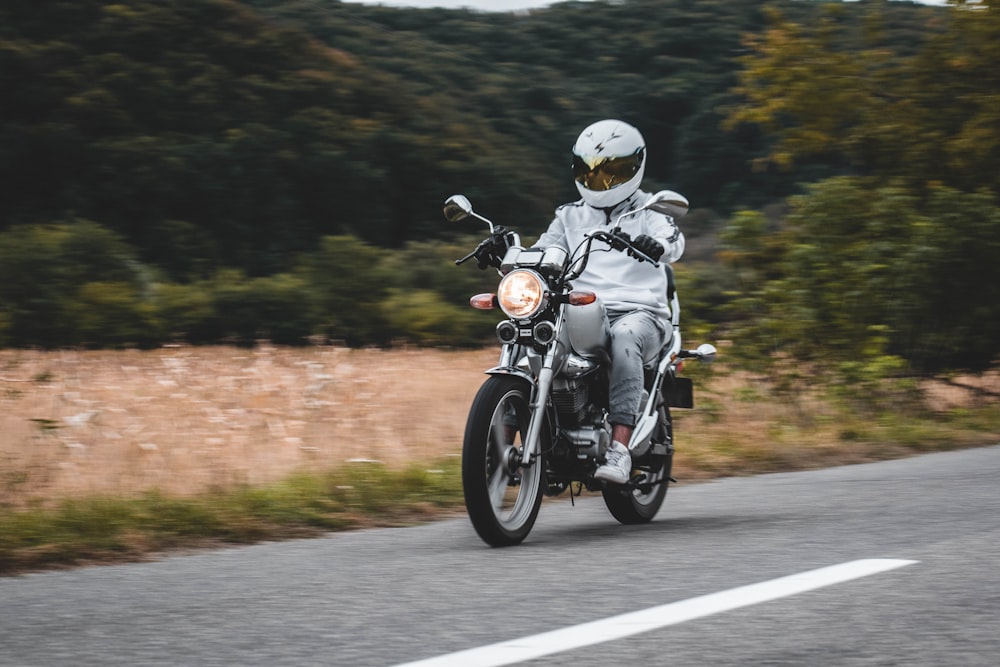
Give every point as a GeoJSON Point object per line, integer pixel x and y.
{"type": "Point", "coordinates": [540, 397]}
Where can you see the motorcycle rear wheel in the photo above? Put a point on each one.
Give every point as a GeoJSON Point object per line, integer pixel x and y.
{"type": "Point", "coordinates": [638, 507]}
{"type": "Point", "coordinates": [502, 502]}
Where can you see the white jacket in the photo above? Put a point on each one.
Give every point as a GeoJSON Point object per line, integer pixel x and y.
{"type": "Point", "coordinates": [622, 282]}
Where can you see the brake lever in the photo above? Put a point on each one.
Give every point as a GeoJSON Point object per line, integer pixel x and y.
{"type": "Point", "coordinates": [613, 239]}
{"type": "Point", "coordinates": [618, 243]}
{"type": "Point", "coordinates": [484, 244]}
{"type": "Point", "coordinates": [459, 262]}
{"type": "Point", "coordinates": [643, 257]}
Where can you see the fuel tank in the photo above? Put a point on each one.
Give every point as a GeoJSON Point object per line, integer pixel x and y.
{"type": "Point", "coordinates": [588, 330]}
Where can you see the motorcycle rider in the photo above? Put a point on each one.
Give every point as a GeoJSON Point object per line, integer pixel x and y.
{"type": "Point", "coordinates": [609, 160]}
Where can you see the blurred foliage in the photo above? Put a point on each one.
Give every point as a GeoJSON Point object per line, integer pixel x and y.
{"type": "Point", "coordinates": [207, 170]}
{"type": "Point", "coordinates": [838, 88]}
{"type": "Point", "coordinates": [871, 276]}
{"type": "Point", "coordinates": [215, 131]}
{"type": "Point", "coordinates": [348, 289]}
{"type": "Point", "coordinates": [52, 276]}
{"type": "Point", "coordinates": [896, 267]}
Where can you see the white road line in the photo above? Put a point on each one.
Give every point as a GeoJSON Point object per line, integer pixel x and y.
{"type": "Point", "coordinates": [633, 623]}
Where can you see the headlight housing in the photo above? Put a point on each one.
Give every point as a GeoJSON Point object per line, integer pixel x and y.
{"type": "Point", "coordinates": [521, 294]}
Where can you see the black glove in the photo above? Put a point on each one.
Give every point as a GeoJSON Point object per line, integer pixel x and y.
{"type": "Point", "coordinates": [648, 246]}
{"type": "Point", "coordinates": [486, 257]}
{"type": "Point", "coordinates": [620, 240]}
{"type": "Point", "coordinates": [490, 253]}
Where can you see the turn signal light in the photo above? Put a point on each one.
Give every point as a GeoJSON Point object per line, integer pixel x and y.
{"type": "Point", "coordinates": [486, 301]}
{"type": "Point", "coordinates": [576, 298]}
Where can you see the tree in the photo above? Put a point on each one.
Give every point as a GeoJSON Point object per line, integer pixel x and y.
{"type": "Point", "coordinates": [347, 290]}
{"type": "Point", "coordinates": [48, 272]}
{"type": "Point", "coordinates": [836, 89]}
{"type": "Point", "coordinates": [867, 274]}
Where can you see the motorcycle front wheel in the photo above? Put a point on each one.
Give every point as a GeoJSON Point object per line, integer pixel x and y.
{"type": "Point", "coordinates": [502, 499]}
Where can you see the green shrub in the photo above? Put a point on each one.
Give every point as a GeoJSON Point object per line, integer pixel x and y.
{"type": "Point", "coordinates": [113, 315]}
{"type": "Point", "coordinates": [52, 275]}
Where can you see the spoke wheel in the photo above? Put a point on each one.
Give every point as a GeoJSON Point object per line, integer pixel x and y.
{"type": "Point", "coordinates": [639, 506]}
{"type": "Point", "coordinates": [501, 497]}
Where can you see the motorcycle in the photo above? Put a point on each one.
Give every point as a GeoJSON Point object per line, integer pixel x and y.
{"type": "Point", "coordinates": [539, 423]}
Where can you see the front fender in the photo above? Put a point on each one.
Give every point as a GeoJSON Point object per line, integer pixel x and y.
{"type": "Point", "coordinates": [516, 372]}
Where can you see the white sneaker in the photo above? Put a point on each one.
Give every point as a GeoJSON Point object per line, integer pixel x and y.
{"type": "Point", "coordinates": [618, 467]}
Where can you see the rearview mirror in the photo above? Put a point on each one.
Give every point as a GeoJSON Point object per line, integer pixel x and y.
{"type": "Point", "coordinates": [705, 352]}
{"type": "Point", "coordinates": [457, 208]}
{"type": "Point", "coordinates": [669, 203]}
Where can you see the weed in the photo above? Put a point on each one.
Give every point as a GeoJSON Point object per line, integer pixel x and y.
{"type": "Point", "coordinates": [131, 453]}
{"type": "Point", "coordinates": [106, 528]}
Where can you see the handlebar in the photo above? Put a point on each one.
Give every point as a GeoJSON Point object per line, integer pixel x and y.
{"type": "Point", "coordinates": [490, 251]}
{"type": "Point", "coordinates": [472, 254]}
{"type": "Point", "coordinates": [618, 242]}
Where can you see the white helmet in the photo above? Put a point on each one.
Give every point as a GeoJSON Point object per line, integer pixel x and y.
{"type": "Point", "coordinates": [609, 159]}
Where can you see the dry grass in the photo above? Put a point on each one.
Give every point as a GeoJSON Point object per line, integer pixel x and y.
{"type": "Point", "coordinates": [112, 456]}
{"type": "Point", "coordinates": [189, 419]}
{"type": "Point", "coordinates": [742, 425]}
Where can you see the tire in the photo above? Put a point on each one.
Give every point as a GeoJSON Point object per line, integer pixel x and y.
{"type": "Point", "coordinates": [502, 504]}
{"type": "Point", "coordinates": [638, 507]}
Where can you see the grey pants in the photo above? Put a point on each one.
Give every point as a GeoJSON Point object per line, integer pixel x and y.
{"type": "Point", "coordinates": [636, 339]}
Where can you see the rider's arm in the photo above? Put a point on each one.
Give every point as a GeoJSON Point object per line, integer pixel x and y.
{"type": "Point", "coordinates": [555, 235]}
{"type": "Point", "coordinates": [665, 230]}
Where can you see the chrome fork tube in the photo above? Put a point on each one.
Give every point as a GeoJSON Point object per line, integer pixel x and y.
{"type": "Point", "coordinates": [541, 397]}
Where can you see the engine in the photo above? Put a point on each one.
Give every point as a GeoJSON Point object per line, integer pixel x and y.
{"type": "Point", "coordinates": [582, 422]}
{"type": "Point", "coordinates": [569, 397]}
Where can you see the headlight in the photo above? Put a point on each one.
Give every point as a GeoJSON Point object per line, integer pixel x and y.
{"type": "Point", "coordinates": [521, 294]}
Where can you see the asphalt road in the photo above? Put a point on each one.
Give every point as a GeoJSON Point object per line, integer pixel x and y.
{"type": "Point", "coordinates": [385, 597]}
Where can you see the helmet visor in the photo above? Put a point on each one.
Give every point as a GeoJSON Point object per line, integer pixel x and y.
{"type": "Point", "coordinates": [604, 173]}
